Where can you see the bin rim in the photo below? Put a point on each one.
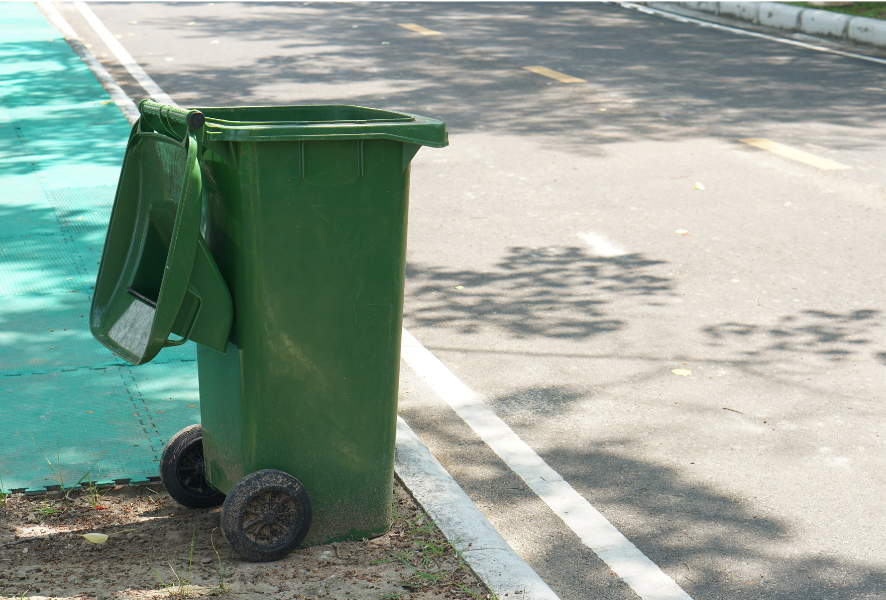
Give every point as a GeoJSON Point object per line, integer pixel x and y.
{"type": "Point", "coordinates": [392, 125]}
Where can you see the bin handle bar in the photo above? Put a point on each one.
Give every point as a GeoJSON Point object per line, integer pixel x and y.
{"type": "Point", "coordinates": [194, 119]}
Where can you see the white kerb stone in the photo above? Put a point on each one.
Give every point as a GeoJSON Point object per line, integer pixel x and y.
{"type": "Point", "coordinates": [867, 31]}
{"type": "Point", "coordinates": [708, 7]}
{"type": "Point", "coordinates": [780, 16]}
{"type": "Point", "coordinates": [746, 11]}
{"type": "Point", "coordinates": [822, 22]}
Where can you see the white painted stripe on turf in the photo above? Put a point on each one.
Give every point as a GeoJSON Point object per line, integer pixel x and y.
{"type": "Point", "coordinates": [600, 246]}
{"type": "Point", "coordinates": [756, 34]}
{"type": "Point", "coordinates": [598, 534]}
{"type": "Point", "coordinates": [123, 102]}
{"type": "Point", "coordinates": [135, 69]}
{"type": "Point", "coordinates": [468, 529]}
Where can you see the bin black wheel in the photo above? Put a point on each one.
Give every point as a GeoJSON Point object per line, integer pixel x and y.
{"type": "Point", "coordinates": [266, 515]}
{"type": "Point", "coordinates": [183, 471]}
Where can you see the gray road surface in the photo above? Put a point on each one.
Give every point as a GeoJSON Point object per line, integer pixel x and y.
{"type": "Point", "coordinates": [562, 263]}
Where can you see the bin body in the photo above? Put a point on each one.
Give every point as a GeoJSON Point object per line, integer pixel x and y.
{"type": "Point", "coordinates": [310, 236]}
{"type": "Point", "coordinates": [275, 238]}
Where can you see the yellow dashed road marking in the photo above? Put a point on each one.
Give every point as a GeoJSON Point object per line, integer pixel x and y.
{"type": "Point", "coordinates": [419, 29]}
{"type": "Point", "coordinates": [794, 154]}
{"type": "Point", "coordinates": [561, 77]}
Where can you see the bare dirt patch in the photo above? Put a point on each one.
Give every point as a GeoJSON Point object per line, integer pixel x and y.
{"type": "Point", "coordinates": [151, 538]}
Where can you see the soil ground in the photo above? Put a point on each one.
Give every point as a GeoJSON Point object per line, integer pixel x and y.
{"type": "Point", "coordinates": [43, 554]}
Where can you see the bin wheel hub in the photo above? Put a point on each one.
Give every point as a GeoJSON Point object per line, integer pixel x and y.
{"type": "Point", "coordinates": [270, 518]}
{"type": "Point", "coordinates": [266, 515]}
{"type": "Point", "coordinates": [192, 470]}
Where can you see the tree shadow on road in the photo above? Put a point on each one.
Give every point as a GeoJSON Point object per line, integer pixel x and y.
{"type": "Point", "coordinates": [705, 539]}
{"type": "Point", "coordinates": [552, 292]}
{"type": "Point", "coordinates": [826, 334]}
{"type": "Point", "coordinates": [657, 81]}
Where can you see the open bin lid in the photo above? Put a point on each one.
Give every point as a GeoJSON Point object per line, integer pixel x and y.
{"type": "Point", "coordinates": [156, 275]}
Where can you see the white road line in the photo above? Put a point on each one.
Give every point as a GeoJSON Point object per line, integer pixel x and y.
{"type": "Point", "coordinates": [756, 34]}
{"type": "Point", "coordinates": [600, 246]}
{"type": "Point", "coordinates": [598, 534]}
{"type": "Point", "coordinates": [135, 69]}
{"type": "Point", "coordinates": [492, 559]}
{"type": "Point", "coordinates": [123, 102]}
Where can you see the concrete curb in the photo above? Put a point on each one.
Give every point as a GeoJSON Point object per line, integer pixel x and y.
{"type": "Point", "coordinates": [809, 21]}
{"type": "Point", "coordinates": [468, 529]}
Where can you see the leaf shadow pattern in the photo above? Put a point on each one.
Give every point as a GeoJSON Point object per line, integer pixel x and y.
{"type": "Point", "coordinates": [708, 540]}
{"type": "Point", "coordinates": [62, 388]}
{"type": "Point", "coordinates": [44, 75]}
{"type": "Point", "coordinates": [550, 292]}
{"type": "Point", "coordinates": [712, 543]}
{"type": "Point", "coordinates": [830, 335]}
{"type": "Point", "coordinates": [657, 82]}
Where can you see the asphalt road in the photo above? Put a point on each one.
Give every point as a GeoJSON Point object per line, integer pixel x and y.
{"type": "Point", "coordinates": [563, 261]}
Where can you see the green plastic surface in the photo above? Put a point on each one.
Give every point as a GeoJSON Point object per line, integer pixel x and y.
{"type": "Point", "coordinates": [304, 221]}
{"type": "Point", "coordinates": [305, 212]}
{"type": "Point", "coordinates": [61, 143]}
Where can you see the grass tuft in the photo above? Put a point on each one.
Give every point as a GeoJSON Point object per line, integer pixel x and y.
{"type": "Point", "coordinates": [871, 10]}
{"type": "Point", "coordinates": [222, 568]}
{"type": "Point", "coordinates": [181, 587]}
{"type": "Point", "coordinates": [426, 556]}
{"type": "Point", "coordinates": [58, 473]}
{"type": "Point", "coordinates": [95, 495]}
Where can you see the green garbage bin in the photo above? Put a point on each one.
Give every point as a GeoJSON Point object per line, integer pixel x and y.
{"type": "Point", "coordinates": [274, 238]}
